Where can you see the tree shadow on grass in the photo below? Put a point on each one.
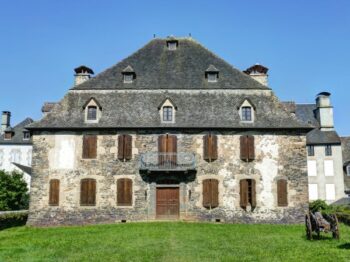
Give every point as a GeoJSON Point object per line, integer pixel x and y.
{"type": "Point", "coordinates": [344, 246]}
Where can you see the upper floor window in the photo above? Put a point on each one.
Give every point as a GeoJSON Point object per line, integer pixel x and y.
{"type": "Point", "coordinates": [26, 135]}
{"type": "Point", "coordinates": [247, 148]}
{"type": "Point", "coordinates": [89, 146]}
{"type": "Point", "coordinates": [310, 150]}
{"type": "Point", "coordinates": [167, 113]}
{"type": "Point", "coordinates": [8, 135]}
{"type": "Point", "coordinates": [348, 170]}
{"type": "Point", "coordinates": [246, 113]}
{"type": "Point", "coordinates": [92, 113]}
{"type": "Point", "coordinates": [247, 193]}
{"type": "Point", "coordinates": [128, 78]}
{"type": "Point", "coordinates": [328, 150]}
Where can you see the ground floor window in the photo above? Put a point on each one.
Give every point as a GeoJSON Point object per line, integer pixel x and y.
{"type": "Point", "coordinates": [210, 193]}
{"type": "Point", "coordinates": [247, 193]}
{"type": "Point", "coordinates": [282, 193]}
{"type": "Point", "coordinates": [54, 192]}
{"type": "Point", "coordinates": [124, 192]}
{"type": "Point", "coordinates": [88, 192]}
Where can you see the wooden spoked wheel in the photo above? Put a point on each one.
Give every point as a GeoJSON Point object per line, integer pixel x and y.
{"type": "Point", "coordinates": [335, 227]}
{"type": "Point", "coordinates": [308, 226]}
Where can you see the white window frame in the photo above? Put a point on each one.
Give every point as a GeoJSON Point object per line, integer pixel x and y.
{"type": "Point", "coordinates": [93, 103]}
{"type": "Point", "coordinates": [330, 192]}
{"type": "Point", "coordinates": [172, 45]}
{"type": "Point", "coordinates": [167, 103]}
{"type": "Point", "coordinates": [252, 112]}
{"type": "Point", "coordinates": [311, 168]}
{"type": "Point", "coordinates": [128, 78]}
{"type": "Point", "coordinates": [328, 168]}
{"type": "Point", "coordinates": [24, 137]}
{"type": "Point", "coordinates": [313, 192]}
{"type": "Point", "coordinates": [212, 77]}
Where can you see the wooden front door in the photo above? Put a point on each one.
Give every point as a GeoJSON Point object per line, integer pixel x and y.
{"type": "Point", "coordinates": [167, 203]}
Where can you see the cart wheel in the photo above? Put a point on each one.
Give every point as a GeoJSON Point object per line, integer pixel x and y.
{"type": "Point", "coordinates": [308, 226]}
{"type": "Point", "coordinates": [335, 228]}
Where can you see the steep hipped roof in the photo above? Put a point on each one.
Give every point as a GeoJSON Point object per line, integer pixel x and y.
{"type": "Point", "coordinates": [318, 137]}
{"type": "Point", "coordinates": [157, 67]}
{"type": "Point", "coordinates": [195, 109]}
{"type": "Point", "coordinates": [17, 138]}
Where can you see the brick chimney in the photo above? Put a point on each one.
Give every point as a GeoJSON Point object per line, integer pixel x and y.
{"type": "Point", "coordinates": [82, 74]}
{"type": "Point", "coordinates": [5, 121]}
{"type": "Point", "coordinates": [324, 111]}
{"type": "Point", "coordinates": [259, 73]}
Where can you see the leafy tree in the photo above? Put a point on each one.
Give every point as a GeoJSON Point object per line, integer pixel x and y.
{"type": "Point", "coordinates": [13, 191]}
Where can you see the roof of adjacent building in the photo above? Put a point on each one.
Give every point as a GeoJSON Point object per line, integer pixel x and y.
{"type": "Point", "coordinates": [47, 107]}
{"type": "Point", "coordinates": [345, 144]}
{"type": "Point", "coordinates": [178, 75]}
{"type": "Point", "coordinates": [17, 137]}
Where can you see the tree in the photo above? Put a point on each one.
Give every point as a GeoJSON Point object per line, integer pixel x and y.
{"type": "Point", "coordinates": [13, 191]}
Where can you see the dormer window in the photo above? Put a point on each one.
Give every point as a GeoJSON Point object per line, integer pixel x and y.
{"type": "Point", "coordinates": [128, 75]}
{"type": "Point", "coordinates": [92, 111]}
{"type": "Point", "coordinates": [26, 135]}
{"type": "Point", "coordinates": [172, 43]}
{"type": "Point", "coordinates": [8, 135]}
{"type": "Point", "coordinates": [212, 74]}
{"type": "Point", "coordinates": [167, 114]}
{"type": "Point", "coordinates": [247, 111]}
{"type": "Point", "coordinates": [167, 110]}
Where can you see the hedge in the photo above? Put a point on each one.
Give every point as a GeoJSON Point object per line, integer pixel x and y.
{"type": "Point", "coordinates": [13, 219]}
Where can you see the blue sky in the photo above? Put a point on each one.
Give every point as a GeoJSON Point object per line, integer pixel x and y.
{"type": "Point", "coordinates": [304, 43]}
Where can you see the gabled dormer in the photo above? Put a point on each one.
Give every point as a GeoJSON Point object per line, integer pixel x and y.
{"type": "Point", "coordinates": [212, 74]}
{"type": "Point", "coordinates": [92, 111]}
{"type": "Point", "coordinates": [172, 43]}
{"type": "Point", "coordinates": [246, 110]}
{"type": "Point", "coordinates": [129, 75]}
{"type": "Point", "coordinates": [167, 111]}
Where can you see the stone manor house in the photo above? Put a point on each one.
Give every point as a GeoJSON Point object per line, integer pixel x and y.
{"type": "Point", "coordinates": [171, 132]}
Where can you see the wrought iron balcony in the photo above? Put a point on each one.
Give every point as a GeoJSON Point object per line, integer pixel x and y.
{"type": "Point", "coordinates": [154, 161]}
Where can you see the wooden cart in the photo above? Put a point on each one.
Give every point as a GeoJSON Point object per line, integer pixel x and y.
{"type": "Point", "coordinates": [316, 222]}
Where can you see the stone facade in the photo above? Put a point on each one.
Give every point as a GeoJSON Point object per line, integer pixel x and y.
{"type": "Point", "coordinates": [279, 154]}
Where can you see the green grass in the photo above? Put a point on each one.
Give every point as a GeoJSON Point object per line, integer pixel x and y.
{"type": "Point", "coordinates": [166, 241]}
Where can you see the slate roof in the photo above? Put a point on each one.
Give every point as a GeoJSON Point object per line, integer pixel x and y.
{"type": "Point", "coordinates": [318, 137]}
{"type": "Point", "coordinates": [17, 138]}
{"type": "Point", "coordinates": [178, 75]}
{"type": "Point", "coordinates": [156, 67]}
{"type": "Point", "coordinates": [25, 169]}
{"type": "Point", "coordinates": [306, 113]}
{"type": "Point", "coordinates": [345, 144]}
{"type": "Point", "coordinates": [47, 107]}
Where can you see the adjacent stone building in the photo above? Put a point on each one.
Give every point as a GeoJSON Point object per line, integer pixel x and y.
{"type": "Point", "coordinates": [170, 132]}
{"type": "Point", "coordinates": [345, 141]}
{"type": "Point", "coordinates": [15, 146]}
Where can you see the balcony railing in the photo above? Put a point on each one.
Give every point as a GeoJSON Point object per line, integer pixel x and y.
{"type": "Point", "coordinates": [154, 161]}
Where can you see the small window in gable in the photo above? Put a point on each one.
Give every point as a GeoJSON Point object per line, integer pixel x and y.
{"type": "Point", "coordinates": [247, 111]}
{"type": "Point", "coordinates": [92, 111]}
{"type": "Point", "coordinates": [167, 110]}
{"type": "Point", "coordinates": [8, 135]}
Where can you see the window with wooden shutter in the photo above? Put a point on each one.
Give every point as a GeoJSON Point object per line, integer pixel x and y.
{"type": "Point", "coordinates": [89, 146]}
{"type": "Point", "coordinates": [210, 193]}
{"type": "Point", "coordinates": [167, 149]}
{"type": "Point", "coordinates": [247, 148]}
{"type": "Point", "coordinates": [54, 192]}
{"type": "Point", "coordinates": [210, 147]}
{"type": "Point", "coordinates": [88, 192]}
{"type": "Point", "coordinates": [247, 193]}
{"type": "Point", "coordinates": [124, 192]}
{"type": "Point", "coordinates": [282, 193]}
{"type": "Point", "coordinates": [124, 147]}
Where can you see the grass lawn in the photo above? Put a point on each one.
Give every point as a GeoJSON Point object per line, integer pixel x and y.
{"type": "Point", "coordinates": [166, 241]}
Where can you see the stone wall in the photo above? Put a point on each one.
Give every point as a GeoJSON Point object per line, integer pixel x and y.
{"type": "Point", "coordinates": [59, 155]}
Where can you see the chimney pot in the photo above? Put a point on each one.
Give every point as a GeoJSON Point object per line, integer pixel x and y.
{"type": "Point", "coordinates": [259, 73]}
{"type": "Point", "coordinates": [5, 120]}
{"type": "Point", "coordinates": [82, 74]}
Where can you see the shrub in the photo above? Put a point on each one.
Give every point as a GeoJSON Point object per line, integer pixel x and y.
{"type": "Point", "coordinates": [13, 191]}
{"type": "Point", "coordinates": [13, 219]}
{"type": "Point", "coordinates": [319, 205]}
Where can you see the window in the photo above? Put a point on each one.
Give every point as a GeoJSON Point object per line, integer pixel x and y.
{"type": "Point", "coordinates": [247, 148]}
{"type": "Point", "coordinates": [128, 78]}
{"type": "Point", "coordinates": [172, 45]}
{"type": "Point", "coordinates": [15, 155]}
{"type": "Point", "coordinates": [92, 113]}
{"type": "Point", "coordinates": [167, 148]}
{"type": "Point", "coordinates": [8, 136]}
{"type": "Point", "coordinates": [247, 193]}
{"type": "Point", "coordinates": [312, 168]}
{"type": "Point", "coordinates": [246, 113]}
{"type": "Point", "coordinates": [89, 146]}
{"type": "Point", "coordinates": [26, 135]}
{"type": "Point", "coordinates": [348, 170]}
{"type": "Point", "coordinates": [88, 192]}
{"type": "Point", "coordinates": [330, 192]}
{"type": "Point", "coordinates": [210, 193]}
{"type": "Point", "coordinates": [328, 168]}
{"type": "Point", "coordinates": [124, 147]}
{"type": "Point", "coordinates": [54, 192]}
{"type": "Point", "coordinates": [328, 150]}
{"type": "Point", "coordinates": [282, 193]}
{"type": "Point", "coordinates": [313, 192]}
{"type": "Point", "coordinates": [310, 150]}
{"type": "Point", "coordinates": [124, 192]}
{"type": "Point", "coordinates": [167, 114]}
{"type": "Point", "coordinates": [212, 77]}
{"type": "Point", "coordinates": [210, 147]}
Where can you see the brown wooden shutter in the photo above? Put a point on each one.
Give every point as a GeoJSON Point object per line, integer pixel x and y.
{"type": "Point", "coordinates": [162, 148]}
{"type": "Point", "coordinates": [214, 147]}
{"type": "Point", "coordinates": [214, 193]}
{"type": "Point", "coordinates": [124, 192]}
{"type": "Point", "coordinates": [244, 148]}
{"type": "Point", "coordinates": [54, 192]}
{"type": "Point", "coordinates": [121, 147]}
{"type": "Point", "coordinates": [206, 193]}
{"type": "Point", "coordinates": [282, 193]}
{"type": "Point", "coordinates": [251, 147]}
{"type": "Point", "coordinates": [172, 148]}
{"type": "Point", "coordinates": [206, 147]}
{"type": "Point", "coordinates": [127, 147]}
{"type": "Point", "coordinates": [88, 192]}
{"type": "Point", "coordinates": [253, 192]}
{"type": "Point", "coordinates": [89, 146]}
{"type": "Point", "coordinates": [243, 192]}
